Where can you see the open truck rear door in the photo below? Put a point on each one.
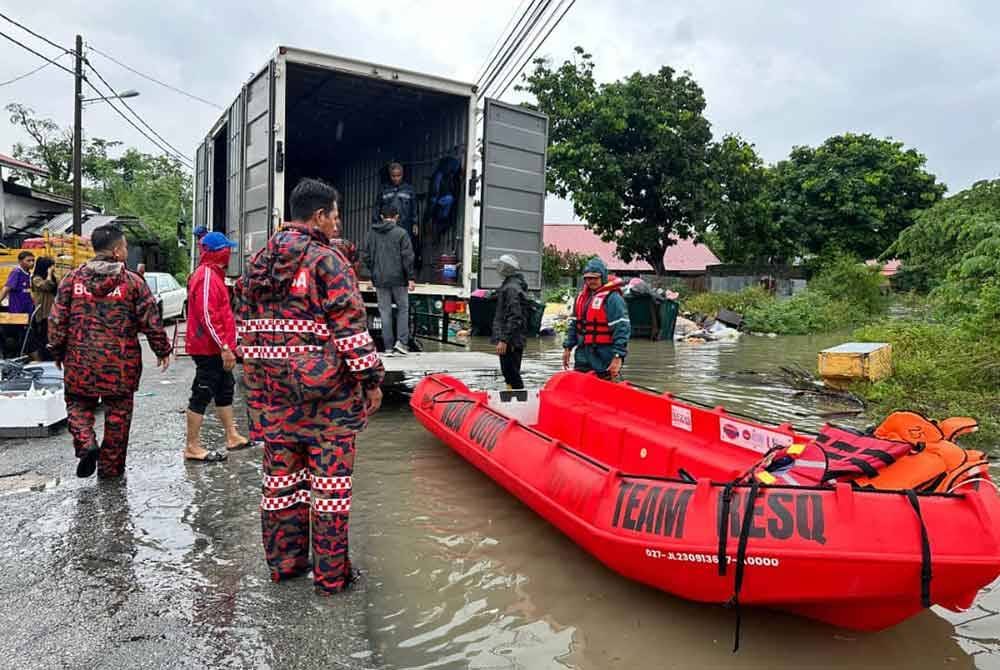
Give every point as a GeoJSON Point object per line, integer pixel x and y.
{"type": "Point", "coordinates": [512, 212]}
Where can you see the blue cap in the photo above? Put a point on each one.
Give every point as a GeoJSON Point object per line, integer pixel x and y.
{"type": "Point", "coordinates": [200, 232]}
{"type": "Point", "coordinates": [217, 241]}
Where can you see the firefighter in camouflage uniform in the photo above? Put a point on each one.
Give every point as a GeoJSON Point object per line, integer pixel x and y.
{"type": "Point", "coordinates": [313, 377]}
{"type": "Point", "coordinates": [99, 311]}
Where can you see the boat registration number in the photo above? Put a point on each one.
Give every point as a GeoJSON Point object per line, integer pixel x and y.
{"type": "Point", "coordinates": [712, 559]}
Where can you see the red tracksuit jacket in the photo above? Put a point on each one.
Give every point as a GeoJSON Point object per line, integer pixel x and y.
{"type": "Point", "coordinates": [210, 314]}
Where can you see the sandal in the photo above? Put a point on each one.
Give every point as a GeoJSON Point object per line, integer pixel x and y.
{"type": "Point", "coordinates": [246, 444]}
{"type": "Point", "coordinates": [210, 457]}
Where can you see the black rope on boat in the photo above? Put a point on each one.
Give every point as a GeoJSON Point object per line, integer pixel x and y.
{"type": "Point", "coordinates": [925, 552]}
{"type": "Point", "coordinates": [727, 501]}
{"type": "Point", "coordinates": [741, 557]}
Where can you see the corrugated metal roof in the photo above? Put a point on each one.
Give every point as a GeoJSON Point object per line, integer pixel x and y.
{"type": "Point", "coordinates": [11, 162]}
{"type": "Point", "coordinates": [684, 256]}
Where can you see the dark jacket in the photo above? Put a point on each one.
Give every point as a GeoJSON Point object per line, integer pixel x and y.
{"type": "Point", "coordinates": [511, 320]}
{"type": "Point", "coordinates": [388, 255]}
{"type": "Point", "coordinates": [405, 200]}
{"type": "Point", "coordinates": [99, 311]}
{"type": "Point", "coordinates": [304, 337]}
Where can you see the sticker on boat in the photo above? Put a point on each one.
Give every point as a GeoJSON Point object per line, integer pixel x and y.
{"type": "Point", "coordinates": [680, 417]}
{"type": "Point", "coordinates": [750, 437]}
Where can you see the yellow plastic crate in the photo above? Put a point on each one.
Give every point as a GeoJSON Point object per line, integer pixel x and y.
{"type": "Point", "coordinates": [855, 361]}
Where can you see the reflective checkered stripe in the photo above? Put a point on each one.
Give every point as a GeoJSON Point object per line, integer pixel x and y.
{"type": "Point", "coordinates": [284, 481]}
{"type": "Point", "coordinates": [278, 352]}
{"type": "Point", "coordinates": [284, 326]}
{"type": "Point", "coordinates": [363, 363]}
{"type": "Point", "coordinates": [320, 505]}
{"type": "Point", "coordinates": [275, 503]}
{"type": "Point", "coordinates": [330, 483]}
{"type": "Point", "coordinates": [351, 342]}
{"type": "Point", "coordinates": [332, 505]}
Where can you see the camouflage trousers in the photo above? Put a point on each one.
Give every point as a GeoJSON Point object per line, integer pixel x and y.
{"type": "Point", "coordinates": [81, 415]}
{"type": "Point", "coordinates": [308, 485]}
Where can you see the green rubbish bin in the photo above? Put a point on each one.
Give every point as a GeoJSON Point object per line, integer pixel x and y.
{"type": "Point", "coordinates": [668, 318]}
{"type": "Point", "coordinates": [641, 316]}
{"type": "Point", "coordinates": [425, 310]}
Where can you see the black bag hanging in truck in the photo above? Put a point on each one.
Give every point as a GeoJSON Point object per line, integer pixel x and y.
{"type": "Point", "coordinates": [443, 194]}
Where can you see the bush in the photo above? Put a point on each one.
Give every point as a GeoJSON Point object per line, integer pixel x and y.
{"type": "Point", "coordinates": [807, 312]}
{"type": "Point", "coordinates": [741, 302]}
{"type": "Point", "coordinates": [558, 294]}
{"type": "Point", "coordinates": [845, 278]}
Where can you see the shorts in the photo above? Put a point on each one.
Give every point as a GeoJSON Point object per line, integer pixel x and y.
{"type": "Point", "coordinates": [211, 382]}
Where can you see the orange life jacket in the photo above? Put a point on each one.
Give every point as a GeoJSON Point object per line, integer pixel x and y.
{"type": "Point", "coordinates": [591, 314]}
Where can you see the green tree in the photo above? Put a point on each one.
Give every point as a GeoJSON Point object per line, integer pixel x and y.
{"type": "Point", "coordinates": [742, 227]}
{"type": "Point", "coordinates": [633, 155]}
{"type": "Point", "coordinates": [557, 264]}
{"type": "Point", "coordinates": [52, 149]}
{"type": "Point", "coordinates": [854, 194]}
{"type": "Point", "coordinates": [155, 189]}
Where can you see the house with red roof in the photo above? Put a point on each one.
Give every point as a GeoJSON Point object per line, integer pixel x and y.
{"type": "Point", "coordinates": [686, 259]}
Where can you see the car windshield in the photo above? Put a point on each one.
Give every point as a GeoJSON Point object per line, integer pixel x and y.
{"type": "Point", "coordinates": [151, 282]}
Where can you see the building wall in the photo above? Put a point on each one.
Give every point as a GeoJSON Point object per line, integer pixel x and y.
{"type": "Point", "coordinates": [19, 209]}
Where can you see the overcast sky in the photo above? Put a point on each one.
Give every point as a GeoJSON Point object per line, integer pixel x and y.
{"type": "Point", "coordinates": [778, 72]}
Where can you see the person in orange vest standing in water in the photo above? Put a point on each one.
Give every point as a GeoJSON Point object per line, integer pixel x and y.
{"type": "Point", "coordinates": [313, 378]}
{"type": "Point", "coordinates": [599, 328]}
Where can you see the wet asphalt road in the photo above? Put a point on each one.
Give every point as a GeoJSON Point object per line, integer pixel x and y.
{"type": "Point", "coordinates": [163, 569]}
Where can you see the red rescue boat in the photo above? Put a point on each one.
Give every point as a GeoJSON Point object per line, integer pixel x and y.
{"type": "Point", "coordinates": [644, 482]}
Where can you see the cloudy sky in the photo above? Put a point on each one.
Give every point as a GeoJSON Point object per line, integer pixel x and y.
{"type": "Point", "coordinates": [778, 72]}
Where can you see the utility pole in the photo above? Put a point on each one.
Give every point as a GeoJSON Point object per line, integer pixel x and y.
{"type": "Point", "coordinates": [78, 142]}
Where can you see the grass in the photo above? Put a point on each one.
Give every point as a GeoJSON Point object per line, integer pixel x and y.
{"type": "Point", "coordinates": [940, 370]}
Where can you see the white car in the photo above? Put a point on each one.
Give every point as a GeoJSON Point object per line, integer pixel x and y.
{"type": "Point", "coordinates": [171, 297]}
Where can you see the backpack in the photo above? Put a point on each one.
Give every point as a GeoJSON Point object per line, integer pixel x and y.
{"type": "Point", "coordinates": [443, 193]}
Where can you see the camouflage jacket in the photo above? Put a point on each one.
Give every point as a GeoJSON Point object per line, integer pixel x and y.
{"type": "Point", "coordinates": [308, 356]}
{"type": "Point", "coordinates": [94, 327]}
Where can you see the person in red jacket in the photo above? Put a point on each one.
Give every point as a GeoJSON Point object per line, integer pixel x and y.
{"type": "Point", "coordinates": [211, 343]}
{"type": "Point", "coordinates": [312, 377]}
{"type": "Point", "coordinates": [99, 311]}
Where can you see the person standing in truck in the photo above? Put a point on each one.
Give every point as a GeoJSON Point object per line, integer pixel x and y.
{"type": "Point", "coordinates": [400, 195]}
{"type": "Point", "coordinates": [510, 322]}
{"type": "Point", "coordinates": [100, 309]}
{"type": "Point", "coordinates": [388, 255]}
{"type": "Point", "coordinates": [599, 328]}
{"type": "Point", "coordinates": [313, 379]}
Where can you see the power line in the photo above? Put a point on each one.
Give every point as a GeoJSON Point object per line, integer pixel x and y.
{"type": "Point", "coordinates": [32, 32]}
{"type": "Point", "coordinates": [43, 57]}
{"type": "Point", "coordinates": [28, 74]}
{"type": "Point", "coordinates": [527, 60]}
{"type": "Point", "coordinates": [134, 113]}
{"type": "Point", "coordinates": [500, 37]}
{"type": "Point", "coordinates": [522, 36]}
{"type": "Point", "coordinates": [154, 80]}
{"type": "Point", "coordinates": [142, 132]}
{"type": "Point", "coordinates": [491, 68]}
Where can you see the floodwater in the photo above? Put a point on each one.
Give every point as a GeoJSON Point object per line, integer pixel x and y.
{"type": "Point", "coordinates": [462, 575]}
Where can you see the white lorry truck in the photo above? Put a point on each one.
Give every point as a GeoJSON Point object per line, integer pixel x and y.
{"type": "Point", "coordinates": [308, 114]}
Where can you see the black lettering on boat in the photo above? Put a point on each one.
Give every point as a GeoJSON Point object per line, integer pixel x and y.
{"type": "Point", "coordinates": [672, 511]}
{"type": "Point", "coordinates": [781, 525]}
{"type": "Point", "coordinates": [623, 489]}
{"type": "Point", "coordinates": [633, 502]}
{"type": "Point", "coordinates": [454, 414]}
{"type": "Point", "coordinates": [486, 429]}
{"type": "Point", "coordinates": [773, 516]}
{"type": "Point", "coordinates": [654, 510]}
{"type": "Point", "coordinates": [810, 526]}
